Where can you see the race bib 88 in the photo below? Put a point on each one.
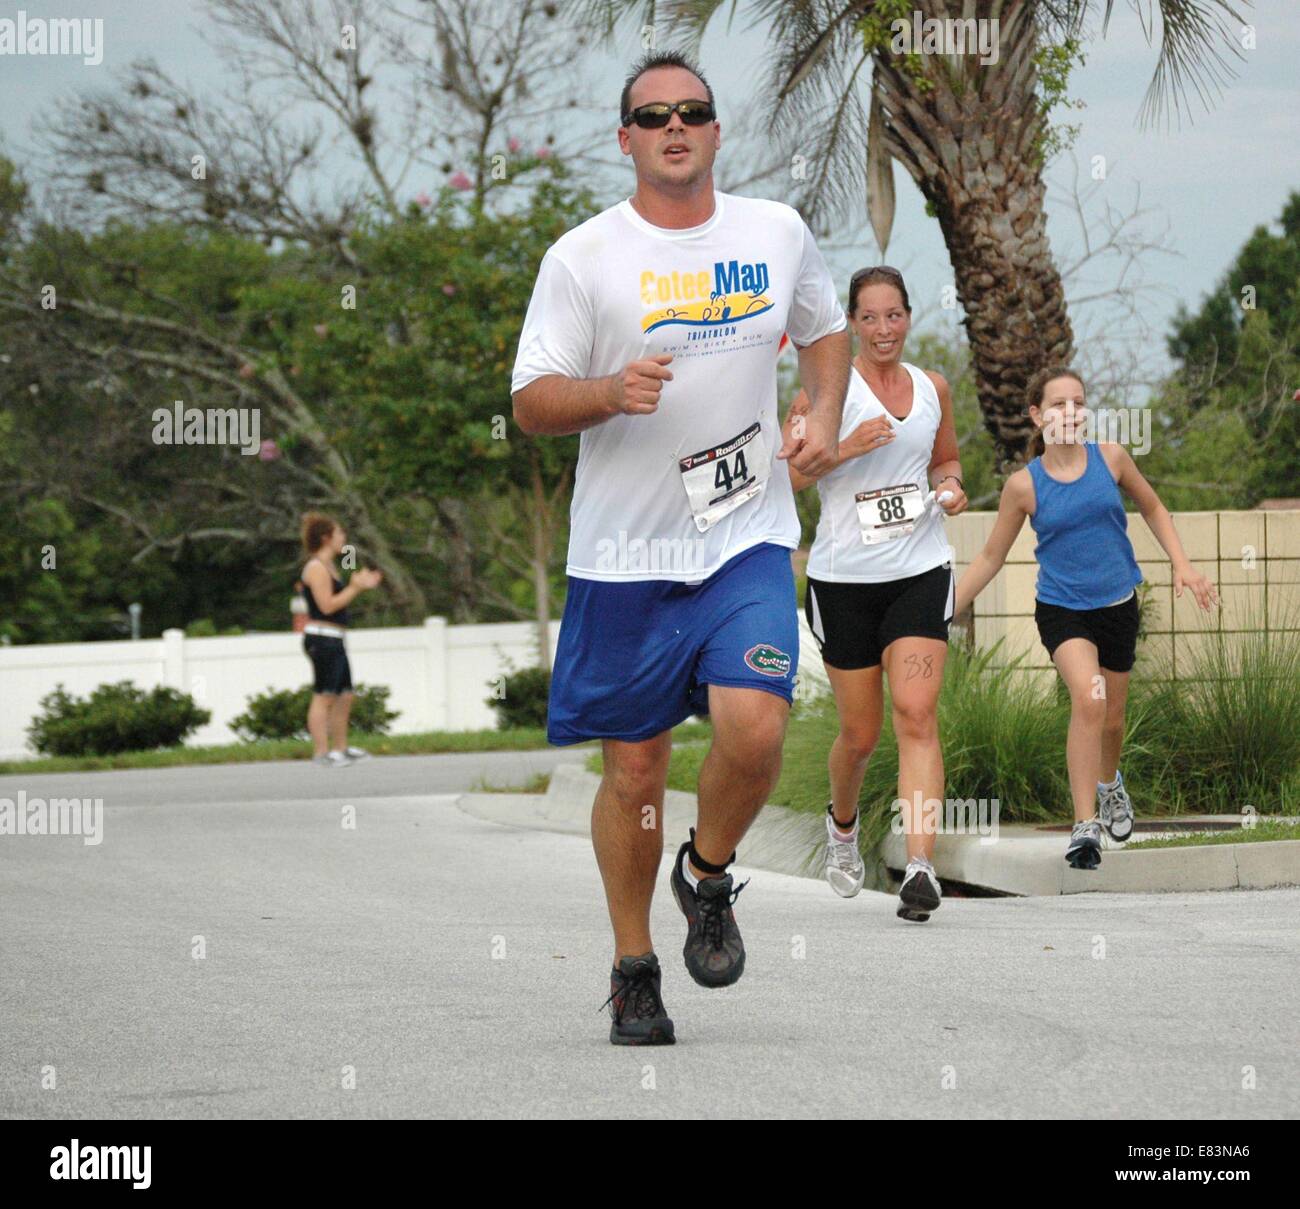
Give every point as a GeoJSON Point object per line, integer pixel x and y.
{"type": "Point", "coordinates": [889, 513]}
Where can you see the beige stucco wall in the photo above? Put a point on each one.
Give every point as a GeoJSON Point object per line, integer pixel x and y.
{"type": "Point", "coordinates": [1253, 558]}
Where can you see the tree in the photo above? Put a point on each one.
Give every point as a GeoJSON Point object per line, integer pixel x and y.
{"type": "Point", "coordinates": [1238, 371]}
{"type": "Point", "coordinates": [162, 183]}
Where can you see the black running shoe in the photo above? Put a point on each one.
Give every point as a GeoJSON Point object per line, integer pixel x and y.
{"type": "Point", "coordinates": [635, 1005]}
{"type": "Point", "coordinates": [714, 952]}
{"type": "Point", "coordinates": [1084, 851]}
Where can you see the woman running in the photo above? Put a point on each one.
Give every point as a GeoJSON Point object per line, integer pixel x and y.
{"type": "Point", "coordinates": [880, 585]}
{"type": "Point", "coordinates": [1086, 610]}
{"type": "Point", "coordinates": [323, 639]}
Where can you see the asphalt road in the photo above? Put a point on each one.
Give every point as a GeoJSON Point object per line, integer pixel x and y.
{"type": "Point", "coordinates": [232, 949]}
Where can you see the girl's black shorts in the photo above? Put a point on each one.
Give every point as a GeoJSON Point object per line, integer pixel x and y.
{"type": "Point", "coordinates": [1112, 630]}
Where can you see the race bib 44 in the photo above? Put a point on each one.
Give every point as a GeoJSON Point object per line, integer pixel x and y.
{"type": "Point", "coordinates": [720, 479]}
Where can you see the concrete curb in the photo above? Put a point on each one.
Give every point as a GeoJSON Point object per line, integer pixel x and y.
{"type": "Point", "coordinates": [1024, 862]}
{"type": "Point", "coordinates": [1033, 863]}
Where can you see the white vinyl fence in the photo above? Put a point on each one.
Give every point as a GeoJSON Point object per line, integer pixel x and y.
{"type": "Point", "coordinates": [439, 675]}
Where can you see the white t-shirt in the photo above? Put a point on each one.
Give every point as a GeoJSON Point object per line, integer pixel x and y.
{"type": "Point", "coordinates": [839, 553]}
{"type": "Point", "coordinates": [674, 494]}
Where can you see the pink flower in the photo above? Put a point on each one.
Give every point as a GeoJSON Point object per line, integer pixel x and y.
{"type": "Point", "coordinates": [322, 330]}
{"type": "Point", "coordinates": [449, 289]}
{"type": "Point", "coordinates": [269, 451]}
{"type": "Point", "coordinates": [513, 144]}
{"type": "Point", "coordinates": [460, 181]}
{"type": "Point", "coordinates": [246, 370]}
{"type": "Point", "coordinates": [1295, 398]}
{"type": "Point", "coordinates": [423, 200]}
{"type": "Point", "coordinates": [543, 153]}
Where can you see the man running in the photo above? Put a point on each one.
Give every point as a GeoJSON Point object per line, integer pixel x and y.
{"type": "Point", "coordinates": [653, 331]}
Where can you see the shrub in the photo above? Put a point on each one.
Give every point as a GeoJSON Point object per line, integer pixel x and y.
{"type": "Point", "coordinates": [205, 627]}
{"type": "Point", "coordinates": [524, 694]}
{"type": "Point", "coordinates": [282, 713]}
{"type": "Point", "coordinates": [114, 718]}
{"type": "Point", "coordinates": [1225, 734]}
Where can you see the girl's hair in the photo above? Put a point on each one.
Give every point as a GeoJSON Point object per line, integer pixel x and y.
{"type": "Point", "coordinates": [880, 274]}
{"type": "Point", "coordinates": [1034, 398]}
{"type": "Point", "coordinates": [316, 529]}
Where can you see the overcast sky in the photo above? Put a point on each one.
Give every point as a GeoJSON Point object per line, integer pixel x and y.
{"type": "Point", "coordinates": [1208, 183]}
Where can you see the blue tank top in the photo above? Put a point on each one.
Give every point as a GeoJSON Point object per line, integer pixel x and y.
{"type": "Point", "coordinates": [1085, 559]}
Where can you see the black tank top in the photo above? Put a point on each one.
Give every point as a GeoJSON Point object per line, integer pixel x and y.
{"type": "Point", "coordinates": [313, 609]}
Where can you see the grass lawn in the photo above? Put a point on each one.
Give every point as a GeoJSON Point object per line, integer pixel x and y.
{"type": "Point", "coordinates": [433, 742]}
{"type": "Point", "coordinates": [1263, 831]}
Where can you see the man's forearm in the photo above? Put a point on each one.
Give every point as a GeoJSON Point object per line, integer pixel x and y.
{"type": "Point", "coordinates": [556, 406]}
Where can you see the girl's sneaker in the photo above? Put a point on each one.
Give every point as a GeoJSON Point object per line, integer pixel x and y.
{"type": "Point", "coordinates": [356, 753]}
{"type": "Point", "coordinates": [1084, 851]}
{"type": "Point", "coordinates": [1114, 809]}
{"type": "Point", "coordinates": [920, 893]}
{"type": "Point", "coordinates": [845, 869]}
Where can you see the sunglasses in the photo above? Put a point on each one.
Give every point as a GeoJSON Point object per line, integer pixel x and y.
{"type": "Point", "coordinates": [658, 114]}
{"type": "Point", "coordinates": [887, 270]}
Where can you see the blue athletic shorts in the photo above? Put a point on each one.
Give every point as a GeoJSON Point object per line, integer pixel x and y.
{"type": "Point", "coordinates": [635, 658]}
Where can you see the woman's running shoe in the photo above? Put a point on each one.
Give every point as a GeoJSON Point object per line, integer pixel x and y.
{"type": "Point", "coordinates": [1114, 809]}
{"type": "Point", "coordinates": [635, 1004]}
{"type": "Point", "coordinates": [1084, 851]}
{"type": "Point", "coordinates": [845, 869]}
{"type": "Point", "coordinates": [920, 894]}
{"type": "Point", "coordinates": [333, 759]}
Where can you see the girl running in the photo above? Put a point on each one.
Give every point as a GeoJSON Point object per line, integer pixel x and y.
{"type": "Point", "coordinates": [1086, 610]}
{"type": "Point", "coordinates": [880, 585]}
{"type": "Point", "coordinates": [323, 639]}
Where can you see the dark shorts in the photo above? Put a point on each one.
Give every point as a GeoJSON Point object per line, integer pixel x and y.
{"type": "Point", "coordinates": [636, 657]}
{"type": "Point", "coordinates": [1112, 630]}
{"type": "Point", "coordinates": [854, 623]}
{"type": "Point", "coordinates": [329, 662]}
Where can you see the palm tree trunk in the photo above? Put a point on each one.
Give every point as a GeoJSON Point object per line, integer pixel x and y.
{"type": "Point", "coordinates": [971, 142]}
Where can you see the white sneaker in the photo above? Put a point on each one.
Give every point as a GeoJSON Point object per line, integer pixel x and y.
{"type": "Point", "coordinates": [844, 866]}
{"type": "Point", "coordinates": [356, 753]}
{"type": "Point", "coordinates": [333, 759]}
{"type": "Point", "coordinates": [1115, 810]}
{"type": "Point", "coordinates": [919, 894]}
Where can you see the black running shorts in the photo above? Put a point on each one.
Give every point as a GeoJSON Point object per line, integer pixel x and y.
{"type": "Point", "coordinates": [854, 622]}
{"type": "Point", "coordinates": [329, 661]}
{"type": "Point", "coordinates": [1112, 630]}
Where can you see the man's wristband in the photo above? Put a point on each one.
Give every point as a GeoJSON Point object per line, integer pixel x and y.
{"type": "Point", "coordinates": [954, 478]}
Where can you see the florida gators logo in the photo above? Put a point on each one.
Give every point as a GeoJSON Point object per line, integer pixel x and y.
{"type": "Point", "coordinates": [766, 660]}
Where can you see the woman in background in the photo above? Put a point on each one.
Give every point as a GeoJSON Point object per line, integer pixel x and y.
{"type": "Point", "coordinates": [323, 639]}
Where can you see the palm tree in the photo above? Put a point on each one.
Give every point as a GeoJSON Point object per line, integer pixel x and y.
{"type": "Point", "coordinates": [974, 137]}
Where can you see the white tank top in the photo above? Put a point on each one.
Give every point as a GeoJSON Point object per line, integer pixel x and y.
{"type": "Point", "coordinates": [839, 553]}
